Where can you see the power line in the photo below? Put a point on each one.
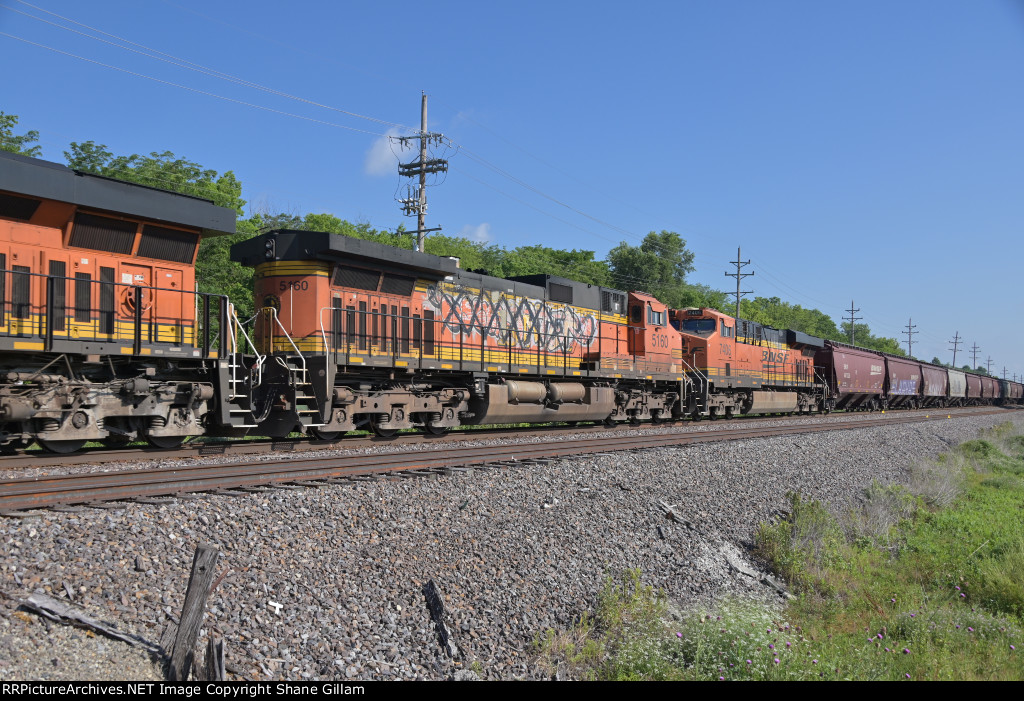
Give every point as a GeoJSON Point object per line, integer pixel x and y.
{"type": "Point", "coordinates": [156, 54]}
{"type": "Point", "coordinates": [195, 90]}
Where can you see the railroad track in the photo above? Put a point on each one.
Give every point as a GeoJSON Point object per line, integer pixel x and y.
{"type": "Point", "coordinates": [201, 449]}
{"type": "Point", "coordinates": [97, 488]}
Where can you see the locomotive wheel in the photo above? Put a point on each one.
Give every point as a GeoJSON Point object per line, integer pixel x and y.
{"type": "Point", "coordinates": [433, 430]}
{"type": "Point", "coordinates": [609, 422]}
{"type": "Point", "coordinates": [165, 442]}
{"type": "Point", "coordinates": [61, 447]}
{"type": "Point", "coordinates": [382, 432]}
{"type": "Point", "coordinates": [326, 435]}
{"type": "Point", "coordinates": [657, 417]}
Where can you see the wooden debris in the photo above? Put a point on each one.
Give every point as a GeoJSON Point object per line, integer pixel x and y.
{"type": "Point", "coordinates": [214, 669]}
{"type": "Point", "coordinates": [437, 613]}
{"type": "Point", "coordinates": [203, 565]}
{"type": "Point", "coordinates": [64, 613]}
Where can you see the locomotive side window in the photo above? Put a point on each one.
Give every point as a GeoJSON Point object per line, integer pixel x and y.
{"type": "Point", "coordinates": [3, 287]}
{"type": "Point", "coordinates": [83, 297]}
{"type": "Point", "coordinates": [394, 328]}
{"type": "Point", "coordinates": [362, 326]}
{"type": "Point", "coordinates": [428, 331]}
{"type": "Point", "coordinates": [337, 321]}
{"type": "Point", "coordinates": [653, 317]}
{"type": "Point", "coordinates": [405, 329]}
{"type": "Point", "coordinates": [726, 330]}
{"type": "Point", "coordinates": [21, 289]}
{"type": "Point", "coordinates": [103, 233]}
{"type": "Point", "coordinates": [636, 315]}
{"type": "Point", "coordinates": [106, 300]}
{"type": "Point", "coordinates": [58, 269]}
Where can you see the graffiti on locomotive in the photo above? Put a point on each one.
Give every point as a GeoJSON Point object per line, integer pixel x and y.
{"type": "Point", "coordinates": [506, 319]}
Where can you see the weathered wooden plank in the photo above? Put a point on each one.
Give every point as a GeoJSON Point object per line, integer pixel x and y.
{"type": "Point", "coordinates": [203, 565]}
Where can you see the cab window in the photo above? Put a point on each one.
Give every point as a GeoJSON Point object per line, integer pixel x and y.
{"type": "Point", "coordinates": [655, 318]}
{"type": "Point", "coordinates": [699, 327]}
{"type": "Point", "coordinates": [726, 330]}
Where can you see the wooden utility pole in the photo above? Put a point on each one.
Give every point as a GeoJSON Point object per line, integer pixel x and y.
{"type": "Point", "coordinates": [974, 356]}
{"type": "Point", "coordinates": [739, 275]}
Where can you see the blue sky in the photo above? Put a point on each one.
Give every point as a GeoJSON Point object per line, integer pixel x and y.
{"type": "Point", "coordinates": [861, 150]}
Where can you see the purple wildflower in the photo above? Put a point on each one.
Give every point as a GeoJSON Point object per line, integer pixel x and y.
{"type": "Point", "coordinates": [776, 660]}
{"type": "Point", "coordinates": [1012, 647]}
{"type": "Point", "coordinates": [749, 662]}
{"type": "Point", "coordinates": [906, 651]}
{"type": "Point", "coordinates": [958, 588]}
{"type": "Point", "coordinates": [880, 636]}
{"type": "Point", "coordinates": [721, 679]}
{"type": "Point", "coordinates": [908, 676]}
{"type": "Point", "coordinates": [771, 647]}
{"type": "Point", "coordinates": [814, 662]}
{"type": "Point", "coordinates": [679, 635]}
{"type": "Point", "coordinates": [970, 629]}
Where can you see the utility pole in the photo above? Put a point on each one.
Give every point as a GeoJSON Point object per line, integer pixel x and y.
{"type": "Point", "coordinates": [910, 336]}
{"type": "Point", "coordinates": [739, 275]}
{"type": "Point", "coordinates": [1004, 372]}
{"type": "Point", "coordinates": [974, 355]}
{"type": "Point", "coordinates": [852, 319]}
{"type": "Point", "coordinates": [415, 201]}
{"type": "Point", "coordinates": [956, 344]}
{"type": "Point", "coordinates": [988, 365]}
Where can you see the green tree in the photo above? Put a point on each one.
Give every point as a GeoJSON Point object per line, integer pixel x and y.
{"type": "Point", "coordinates": [160, 170]}
{"type": "Point", "coordinates": [537, 260]}
{"type": "Point", "coordinates": [17, 144]}
{"type": "Point", "coordinates": [658, 266]}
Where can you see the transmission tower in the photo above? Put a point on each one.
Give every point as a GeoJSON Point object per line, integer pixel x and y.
{"type": "Point", "coordinates": [739, 275]}
{"type": "Point", "coordinates": [415, 201]}
{"type": "Point", "coordinates": [956, 344]}
{"type": "Point", "coordinates": [909, 333]}
{"type": "Point", "coordinates": [974, 355]}
{"type": "Point", "coordinates": [852, 319]}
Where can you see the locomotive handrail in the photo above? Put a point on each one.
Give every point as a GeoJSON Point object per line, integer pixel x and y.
{"type": "Point", "coordinates": [260, 358]}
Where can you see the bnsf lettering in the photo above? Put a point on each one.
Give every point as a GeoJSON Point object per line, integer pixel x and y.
{"type": "Point", "coordinates": [770, 356]}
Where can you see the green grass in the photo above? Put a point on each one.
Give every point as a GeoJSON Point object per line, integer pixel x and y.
{"type": "Point", "coordinates": [899, 589]}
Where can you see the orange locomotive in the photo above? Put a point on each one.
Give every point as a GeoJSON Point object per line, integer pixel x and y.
{"type": "Point", "coordinates": [98, 316]}
{"type": "Point", "coordinates": [363, 334]}
{"type": "Point", "coordinates": [744, 367]}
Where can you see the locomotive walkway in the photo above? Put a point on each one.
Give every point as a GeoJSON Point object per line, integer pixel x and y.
{"type": "Point", "coordinates": [97, 488]}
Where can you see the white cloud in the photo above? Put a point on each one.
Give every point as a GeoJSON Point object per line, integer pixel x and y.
{"type": "Point", "coordinates": [480, 233]}
{"type": "Point", "coordinates": [380, 158]}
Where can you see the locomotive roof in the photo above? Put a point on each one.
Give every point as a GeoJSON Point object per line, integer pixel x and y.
{"type": "Point", "coordinates": [292, 244]}
{"type": "Point", "coordinates": [33, 177]}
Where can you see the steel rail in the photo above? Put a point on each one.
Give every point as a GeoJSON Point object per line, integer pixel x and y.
{"type": "Point", "coordinates": [40, 492]}
{"type": "Point", "coordinates": [42, 458]}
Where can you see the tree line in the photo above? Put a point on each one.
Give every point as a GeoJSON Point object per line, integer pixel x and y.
{"type": "Point", "coordinates": [658, 266]}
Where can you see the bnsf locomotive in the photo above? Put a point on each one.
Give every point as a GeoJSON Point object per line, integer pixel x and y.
{"type": "Point", "coordinates": [102, 336]}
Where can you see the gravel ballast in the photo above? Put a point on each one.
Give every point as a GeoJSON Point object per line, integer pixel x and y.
{"type": "Point", "coordinates": [328, 582]}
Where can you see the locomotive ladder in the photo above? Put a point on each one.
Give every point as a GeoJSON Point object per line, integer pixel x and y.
{"type": "Point", "coordinates": [306, 403]}
{"type": "Point", "coordinates": [701, 404]}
